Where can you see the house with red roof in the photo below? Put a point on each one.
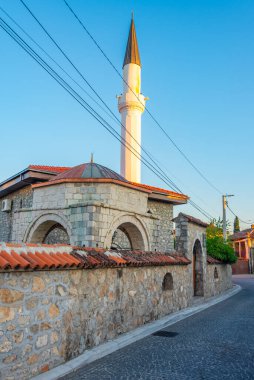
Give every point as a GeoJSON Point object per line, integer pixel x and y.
{"type": "Point", "coordinates": [243, 243]}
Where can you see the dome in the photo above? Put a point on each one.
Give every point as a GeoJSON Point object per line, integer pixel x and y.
{"type": "Point", "coordinates": [89, 170]}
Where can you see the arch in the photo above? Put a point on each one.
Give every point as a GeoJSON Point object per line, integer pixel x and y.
{"type": "Point", "coordinates": [133, 229]}
{"type": "Point", "coordinates": [197, 267]}
{"type": "Point", "coordinates": [216, 274]}
{"type": "Point", "coordinates": [167, 283]}
{"type": "Point", "coordinates": [43, 225]}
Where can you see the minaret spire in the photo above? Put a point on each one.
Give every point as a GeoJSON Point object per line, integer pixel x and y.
{"type": "Point", "coordinates": [132, 52]}
{"type": "Point", "coordinates": [131, 105]}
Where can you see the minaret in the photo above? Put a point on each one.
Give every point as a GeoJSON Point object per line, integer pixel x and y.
{"type": "Point", "coordinates": [131, 105]}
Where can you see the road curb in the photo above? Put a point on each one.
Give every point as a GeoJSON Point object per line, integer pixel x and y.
{"type": "Point", "coordinates": [125, 339]}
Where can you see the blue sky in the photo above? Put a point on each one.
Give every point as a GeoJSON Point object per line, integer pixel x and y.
{"type": "Point", "coordinates": [197, 69]}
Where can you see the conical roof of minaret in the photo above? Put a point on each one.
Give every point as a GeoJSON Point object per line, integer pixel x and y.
{"type": "Point", "coordinates": [132, 52]}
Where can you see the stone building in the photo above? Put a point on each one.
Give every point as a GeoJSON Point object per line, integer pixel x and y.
{"type": "Point", "coordinates": [88, 205]}
{"type": "Point", "coordinates": [88, 254]}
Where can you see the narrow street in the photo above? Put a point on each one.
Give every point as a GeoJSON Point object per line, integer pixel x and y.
{"type": "Point", "coordinates": [217, 343]}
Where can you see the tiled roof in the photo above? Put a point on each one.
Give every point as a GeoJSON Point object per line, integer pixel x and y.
{"type": "Point", "coordinates": [191, 219]}
{"type": "Point", "coordinates": [242, 234]}
{"type": "Point", "coordinates": [161, 191]}
{"type": "Point", "coordinates": [44, 257]}
{"type": "Point", "coordinates": [89, 170]}
{"type": "Point", "coordinates": [53, 169]}
{"type": "Point", "coordinates": [211, 260]}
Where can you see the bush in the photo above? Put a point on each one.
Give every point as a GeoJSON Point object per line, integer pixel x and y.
{"type": "Point", "coordinates": [220, 250]}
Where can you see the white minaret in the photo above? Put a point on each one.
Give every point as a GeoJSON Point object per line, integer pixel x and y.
{"type": "Point", "coordinates": [131, 105]}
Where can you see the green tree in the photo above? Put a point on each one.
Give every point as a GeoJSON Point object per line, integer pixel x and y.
{"type": "Point", "coordinates": [220, 250]}
{"type": "Point", "coordinates": [216, 247]}
{"type": "Point", "coordinates": [236, 225]}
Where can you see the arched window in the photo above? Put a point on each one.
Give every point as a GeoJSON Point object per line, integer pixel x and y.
{"type": "Point", "coordinates": [167, 283]}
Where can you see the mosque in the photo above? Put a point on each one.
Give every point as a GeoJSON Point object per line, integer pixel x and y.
{"type": "Point", "coordinates": [87, 254]}
{"type": "Point", "coordinates": [90, 205]}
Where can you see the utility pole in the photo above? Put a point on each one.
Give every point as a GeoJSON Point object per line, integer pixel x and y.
{"type": "Point", "coordinates": [224, 206]}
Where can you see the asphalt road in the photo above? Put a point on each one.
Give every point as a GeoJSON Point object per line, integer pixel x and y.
{"type": "Point", "coordinates": [217, 343]}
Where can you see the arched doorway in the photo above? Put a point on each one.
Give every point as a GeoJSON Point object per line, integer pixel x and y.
{"type": "Point", "coordinates": [48, 229]}
{"type": "Point", "coordinates": [127, 232]}
{"type": "Point", "coordinates": [197, 267]}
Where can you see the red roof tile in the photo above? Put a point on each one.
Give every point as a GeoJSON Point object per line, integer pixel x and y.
{"type": "Point", "coordinates": [60, 256]}
{"type": "Point", "coordinates": [160, 191]}
{"type": "Point", "coordinates": [242, 234]}
{"type": "Point", "coordinates": [211, 260]}
{"type": "Point", "coordinates": [53, 169]}
{"type": "Point", "coordinates": [191, 219]}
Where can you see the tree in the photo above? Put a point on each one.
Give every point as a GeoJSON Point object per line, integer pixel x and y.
{"type": "Point", "coordinates": [216, 247]}
{"type": "Point", "coordinates": [236, 225]}
{"type": "Point", "coordinates": [220, 250]}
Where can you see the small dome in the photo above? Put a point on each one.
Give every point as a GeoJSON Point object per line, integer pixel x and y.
{"type": "Point", "coordinates": [89, 170]}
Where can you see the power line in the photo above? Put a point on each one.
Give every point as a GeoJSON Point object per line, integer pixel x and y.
{"type": "Point", "coordinates": [91, 87]}
{"type": "Point", "coordinates": [148, 111]}
{"type": "Point", "coordinates": [53, 60]}
{"type": "Point", "coordinates": [74, 94]}
{"type": "Point", "coordinates": [87, 82]}
{"type": "Point", "coordinates": [242, 221]}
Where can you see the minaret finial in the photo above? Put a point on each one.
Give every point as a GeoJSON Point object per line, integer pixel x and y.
{"type": "Point", "coordinates": [132, 15]}
{"type": "Point", "coordinates": [132, 52]}
{"type": "Point", "coordinates": [91, 161]}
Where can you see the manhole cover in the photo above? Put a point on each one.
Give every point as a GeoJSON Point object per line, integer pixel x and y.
{"type": "Point", "coordinates": [166, 334]}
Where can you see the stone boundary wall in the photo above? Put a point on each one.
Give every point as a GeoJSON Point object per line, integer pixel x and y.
{"type": "Point", "coordinates": [49, 317]}
{"type": "Point", "coordinates": [218, 279]}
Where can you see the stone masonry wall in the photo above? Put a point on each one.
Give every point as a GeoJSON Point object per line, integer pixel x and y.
{"type": "Point", "coordinates": [49, 317]}
{"type": "Point", "coordinates": [162, 228]}
{"type": "Point", "coordinates": [215, 285]}
{"type": "Point", "coordinates": [88, 213]}
{"type": "Point", "coordinates": [21, 199]}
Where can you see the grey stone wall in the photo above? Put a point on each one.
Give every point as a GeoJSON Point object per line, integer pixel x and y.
{"type": "Point", "coordinates": [162, 228]}
{"type": "Point", "coordinates": [215, 286]}
{"type": "Point", "coordinates": [90, 213]}
{"type": "Point", "coordinates": [49, 317]}
{"type": "Point", "coordinates": [21, 199]}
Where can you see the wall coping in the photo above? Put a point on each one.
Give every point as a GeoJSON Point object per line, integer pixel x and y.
{"type": "Point", "coordinates": [32, 257]}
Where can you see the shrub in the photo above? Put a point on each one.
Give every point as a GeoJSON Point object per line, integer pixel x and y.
{"type": "Point", "coordinates": [220, 250]}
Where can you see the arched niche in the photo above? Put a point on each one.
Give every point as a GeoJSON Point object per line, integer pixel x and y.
{"type": "Point", "coordinates": [49, 229]}
{"type": "Point", "coordinates": [127, 232]}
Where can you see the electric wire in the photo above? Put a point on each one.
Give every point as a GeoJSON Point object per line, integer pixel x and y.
{"type": "Point", "coordinates": [55, 62]}
{"type": "Point", "coordinates": [242, 221]}
{"type": "Point", "coordinates": [148, 111]}
{"type": "Point", "coordinates": [73, 93]}
{"type": "Point", "coordinates": [96, 93]}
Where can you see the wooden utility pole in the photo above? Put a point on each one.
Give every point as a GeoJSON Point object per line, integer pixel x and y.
{"type": "Point", "coordinates": [224, 206]}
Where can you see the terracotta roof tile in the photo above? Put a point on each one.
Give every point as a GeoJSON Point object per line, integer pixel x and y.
{"type": "Point", "coordinates": [242, 234]}
{"type": "Point", "coordinates": [60, 256]}
{"type": "Point", "coordinates": [161, 191]}
{"type": "Point", "coordinates": [191, 219]}
{"type": "Point", "coordinates": [53, 169]}
{"type": "Point", "coordinates": [211, 260]}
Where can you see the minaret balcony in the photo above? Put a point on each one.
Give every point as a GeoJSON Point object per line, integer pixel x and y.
{"type": "Point", "coordinates": [132, 101]}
